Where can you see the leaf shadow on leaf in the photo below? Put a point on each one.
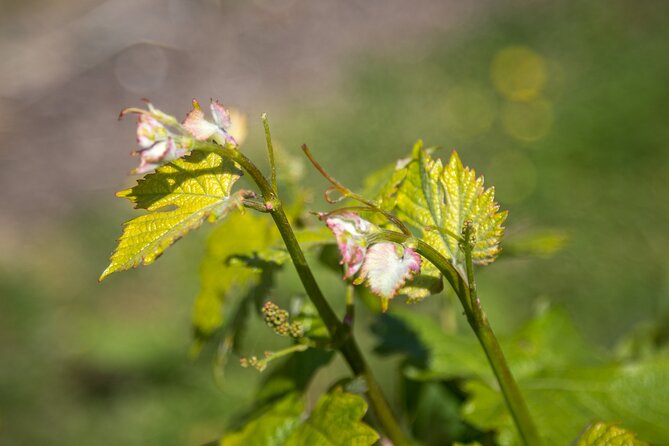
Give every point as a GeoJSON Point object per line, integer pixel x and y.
{"type": "Point", "coordinates": [251, 261]}
{"type": "Point", "coordinates": [396, 337]}
{"type": "Point", "coordinates": [166, 183]}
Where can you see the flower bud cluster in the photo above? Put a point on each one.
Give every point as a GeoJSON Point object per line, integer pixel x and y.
{"type": "Point", "coordinates": [253, 361]}
{"type": "Point", "coordinates": [468, 235]}
{"type": "Point", "coordinates": [279, 320]}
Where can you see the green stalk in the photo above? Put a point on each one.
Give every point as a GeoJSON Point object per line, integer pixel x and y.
{"type": "Point", "coordinates": [341, 336]}
{"type": "Point", "coordinates": [481, 326]}
{"type": "Point", "coordinates": [466, 292]}
{"type": "Point", "coordinates": [270, 150]}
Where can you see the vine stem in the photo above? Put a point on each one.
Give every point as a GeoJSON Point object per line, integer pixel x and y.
{"type": "Point", "coordinates": [341, 336]}
{"type": "Point", "coordinates": [467, 294]}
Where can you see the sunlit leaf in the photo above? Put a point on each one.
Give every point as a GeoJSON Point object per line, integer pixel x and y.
{"type": "Point", "coordinates": [335, 421]}
{"type": "Point", "coordinates": [437, 199]}
{"type": "Point", "coordinates": [179, 196]}
{"type": "Point", "coordinates": [602, 434]}
{"type": "Point", "coordinates": [427, 283]}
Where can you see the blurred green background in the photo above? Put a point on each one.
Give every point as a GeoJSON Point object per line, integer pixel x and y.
{"type": "Point", "coordinates": [561, 105]}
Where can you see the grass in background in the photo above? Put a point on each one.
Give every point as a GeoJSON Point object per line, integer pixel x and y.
{"type": "Point", "coordinates": [563, 107]}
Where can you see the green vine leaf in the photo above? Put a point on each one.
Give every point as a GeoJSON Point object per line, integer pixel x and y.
{"type": "Point", "coordinates": [179, 196]}
{"type": "Point", "coordinates": [272, 427]}
{"type": "Point", "coordinates": [243, 255]}
{"type": "Point", "coordinates": [565, 382]}
{"type": "Point", "coordinates": [335, 421]}
{"type": "Point", "coordinates": [437, 199]}
{"type": "Point", "coordinates": [563, 401]}
{"type": "Point", "coordinates": [602, 434]}
{"type": "Point", "coordinates": [549, 341]}
{"type": "Point", "coordinates": [225, 271]}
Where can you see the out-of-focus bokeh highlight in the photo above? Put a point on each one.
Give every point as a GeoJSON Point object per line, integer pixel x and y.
{"type": "Point", "coordinates": [562, 105]}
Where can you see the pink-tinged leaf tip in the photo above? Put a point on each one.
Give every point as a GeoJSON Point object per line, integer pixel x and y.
{"type": "Point", "coordinates": [159, 153]}
{"type": "Point", "coordinates": [220, 114]}
{"type": "Point", "coordinates": [149, 131]}
{"type": "Point", "coordinates": [350, 231]}
{"type": "Point", "coordinates": [197, 125]}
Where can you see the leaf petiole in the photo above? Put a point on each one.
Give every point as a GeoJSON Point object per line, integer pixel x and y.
{"type": "Point", "coordinates": [348, 193]}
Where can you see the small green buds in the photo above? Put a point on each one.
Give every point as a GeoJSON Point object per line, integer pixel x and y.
{"type": "Point", "coordinates": [279, 320]}
{"type": "Point", "coordinates": [468, 235]}
{"type": "Point", "coordinates": [253, 361]}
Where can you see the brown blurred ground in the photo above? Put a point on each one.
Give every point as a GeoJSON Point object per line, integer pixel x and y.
{"type": "Point", "coordinates": [70, 66]}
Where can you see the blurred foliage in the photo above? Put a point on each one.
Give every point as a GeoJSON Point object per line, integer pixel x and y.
{"type": "Point", "coordinates": [579, 145]}
{"type": "Point", "coordinates": [602, 434]}
{"type": "Point", "coordinates": [560, 104]}
{"type": "Point", "coordinates": [566, 382]}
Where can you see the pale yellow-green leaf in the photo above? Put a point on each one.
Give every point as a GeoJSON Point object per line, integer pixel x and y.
{"type": "Point", "coordinates": [427, 283]}
{"type": "Point", "coordinates": [179, 196]}
{"type": "Point", "coordinates": [437, 199]}
{"type": "Point", "coordinates": [603, 434]}
{"type": "Point", "coordinates": [335, 421]}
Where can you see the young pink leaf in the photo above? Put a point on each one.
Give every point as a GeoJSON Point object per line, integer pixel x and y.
{"type": "Point", "coordinates": [220, 114]}
{"type": "Point", "coordinates": [350, 231]}
{"type": "Point", "coordinates": [202, 129]}
{"type": "Point", "coordinates": [157, 144]}
{"type": "Point", "coordinates": [197, 125]}
{"type": "Point", "coordinates": [149, 131]}
{"type": "Point", "coordinates": [387, 267]}
{"type": "Point", "coordinates": [161, 152]}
